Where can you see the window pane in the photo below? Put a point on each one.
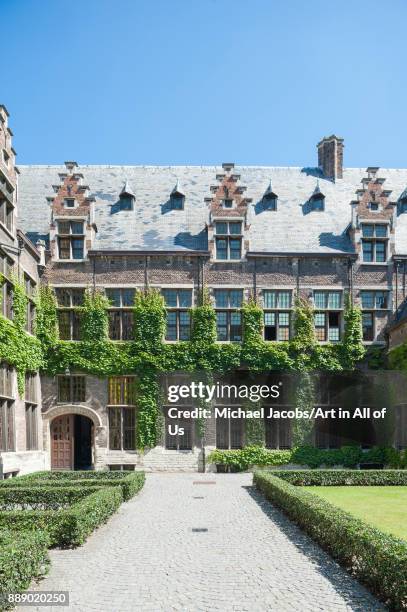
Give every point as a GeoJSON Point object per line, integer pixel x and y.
{"type": "Point", "coordinates": [367, 299]}
{"type": "Point", "coordinates": [283, 318]}
{"type": "Point", "coordinates": [221, 325]}
{"type": "Point", "coordinates": [78, 389]}
{"type": "Point", "coordinates": [170, 297]}
{"type": "Point", "coordinates": [269, 318]}
{"type": "Point", "coordinates": [319, 318]}
{"type": "Point", "coordinates": [64, 323]}
{"type": "Point", "coordinates": [63, 227]}
{"type": "Point", "coordinates": [221, 248]}
{"type": "Point", "coordinates": [367, 231]}
{"type": "Point", "coordinates": [114, 296]}
{"type": "Point", "coordinates": [76, 325]}
{"type": "Point", "coordinates": [114, 324]}
{"type": "Point", "coordinates": [76, 227]}
{"type": "Point", "coordinates": [380, 251]}
{"type": "Point", "coordinates": [284, 299]}
{"type": "Point", "coordinates": [171, 333]}
{"type": "Point", "coordinates": [77, 248]}
{"type": "Point", "coordinates": [221, 298]}
{"type": "Point", "coordinates": [127, 325]}
{"type": "Point", "coordinates": [367, 326]}
{"type": "Point", "coordinates": [367, 248]}
{"type": "Point", "coordinates": [269, 299]}
{"type": "Point", "coordinates": [185, 298]}
{"type": "Point", "coordinates": [333, 334]}
{"type": "Point", "coordinates": [381, 231]}
{"type": "Point", "coordinates": [64, 389]}
{"type": "Point", "coordinates": [221, 228]}
{"type": "Point", "coordinates": [129, 429]}
{"type": "Point", "coordinates": [235, 326]}
{"type": "Point", "coordinates": [115, 428]}
{"type": "Point", "coordinates": [184, 326]}
{"type": "Point", "coordinates": [236, 298]}
{"type": "Point", "coordinates": [235, 228]}
{"type": "Point", "coordinates": [235, 249]}
{"type": "Point", "coordinates": [78, 296]}
{"type": "Point", "coordinates": [381, 299]}
{"type": "Point", "coordinates": [64, 248]}
{"type": "Point", "coordinates": [334, 299]}
{"type": "Point", "coordinates": [63, 297]}
{"type": "Point", "coordinates": [320, 299]}
{"type": "Point", "coordinates": [128, 297]}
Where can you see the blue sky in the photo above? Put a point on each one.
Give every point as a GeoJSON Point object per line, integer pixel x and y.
{"type": "Point", "coordinates": [205, 81]}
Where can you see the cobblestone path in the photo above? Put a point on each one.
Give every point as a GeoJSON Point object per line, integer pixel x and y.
{"type": "Point", "coordinates": [185, 546]}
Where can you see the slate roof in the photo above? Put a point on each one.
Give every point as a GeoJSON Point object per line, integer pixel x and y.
{"type": "Point", "coordinates": [153, 225]}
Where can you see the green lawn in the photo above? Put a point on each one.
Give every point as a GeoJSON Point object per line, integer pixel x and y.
{"type": "Point", "coordinates": [382, 507]}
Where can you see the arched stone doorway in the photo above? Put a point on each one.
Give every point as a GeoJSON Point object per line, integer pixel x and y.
{"type": "Point", "coordinates": [69, 436]}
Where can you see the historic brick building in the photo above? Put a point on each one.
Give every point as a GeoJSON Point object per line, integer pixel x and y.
{"type": "Point", "coordinates": [20, 413]}
{"type": "Point", "coordinates": [320, 232]}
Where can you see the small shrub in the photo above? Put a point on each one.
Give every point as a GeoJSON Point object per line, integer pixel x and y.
{"type": "Point", "coordinates": [23, 556]}
{"type": "Point", "coordinates": [376, 559]}
{"type": "Point", "coordinates": [244, 458]}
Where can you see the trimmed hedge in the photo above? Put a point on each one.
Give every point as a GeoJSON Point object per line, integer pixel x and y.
{"type": "Point", "coordinates": [343, 477]}
{"type": "Point", "coordinates": [346, 456]}
{"type": "Point", "coordinates": [69, 526]}
{"type": "Point", "coordinates": [23, 556]}
{"type": "Point", "coordinates": [376, 559]}
{"type": "Point", "coordinates": [74, 475]}
{"type": "Point", "coordinates": [41, 498]}
{"type": "Point", "coordinates": [130, 483]}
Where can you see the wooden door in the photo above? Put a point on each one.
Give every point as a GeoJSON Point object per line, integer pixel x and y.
{"type": "Point", "coordinates": [62, 443]}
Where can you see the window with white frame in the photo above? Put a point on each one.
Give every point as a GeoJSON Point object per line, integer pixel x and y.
{"type": "Point", "coordinates": [372, 301]}
{"type": "Point", "coordinates": [120, 313]}
{"type": "Point", "coordinates": [228, 240]}
{"type": "Point", "coordinates": [327, 318]}
{"type": "Point", "coordinates": [374, 242]}
{"type": "Point", "coordinates": [277, 315]}
{"type": "Point", "coordinates": [228, 317]}
{"type": "Point", "coordinates": [177, 303]}
{"type": "Point", "coordinates": [71, 239]}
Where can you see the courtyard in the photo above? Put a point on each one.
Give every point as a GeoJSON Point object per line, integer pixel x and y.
{"type": "Point", "coordinates": [201, 542]}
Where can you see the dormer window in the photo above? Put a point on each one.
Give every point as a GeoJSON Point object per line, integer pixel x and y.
{"type": "Point", "coordinates": [70, 202]}
{"type": "Point", "coordinates": [270, 199]}
{"type": "Point", "coordinates": [317, 200]}
{"type": "Point", "coordinates": [374, 206]}
{"type": "Point", "coordinates": [71, 239]}
{"type": "Point", "coordinates": [228, 240]}
{"type": "Point", "coordinates": [127, 197]}
{"type": "Point", "coordinates": [374, 242]}
{"type": "Point", "coordinates": [177, 197]}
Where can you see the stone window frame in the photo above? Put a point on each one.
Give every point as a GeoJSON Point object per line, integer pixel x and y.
{"type": "Point", "coordinates": [6, 290]}
{"type": "Point", "coordinates": [277, 432]}
{"type": "Point", "coordinates": [7, 215]}
{"type": "Point", "coordinates": [230, 313]}
{"type": "Point", "coordinates": [30, 287]}
{"type": "Point", "coordinates": [369, 331]}
{"type": "Point", "coordinates": [120, 313]}
{"type": "Point", "coordinates": [31, 411]}
{"type": "Point", "coordinates": [69, 301]}
{"type": "Point", "coordinates": [7, 409]}
{"type": "Point", "coordinates": [279, 308]}
{"type": "Point", "coordinates": [325, 313]}
{"type": "Point", "coordinates": [228, 237]}
{"type": "Point", "coordinates": [371, 239]}
{"type": "Point", "coordinates": [69, 237]}
{"type": "Point", "coordinates": [75, 390]}
{"type": "Point", "coordinates": [176, 310]}
{"type": "Point", "coordinates": [121, 404]}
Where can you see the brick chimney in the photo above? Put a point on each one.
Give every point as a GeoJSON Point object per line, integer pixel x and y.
{"type": "Point", "coordinates": [330, 157]}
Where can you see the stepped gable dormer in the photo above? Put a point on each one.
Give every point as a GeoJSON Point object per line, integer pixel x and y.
{"type": "Point", "coordinates": [72, 219]}
{"type": "Point", "coordinates": [228, 216]}
{"type": "Point", "coordinates": [373, 219]}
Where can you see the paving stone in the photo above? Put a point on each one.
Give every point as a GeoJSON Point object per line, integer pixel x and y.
{"type": "Point", "coordinates": [251, 558]}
